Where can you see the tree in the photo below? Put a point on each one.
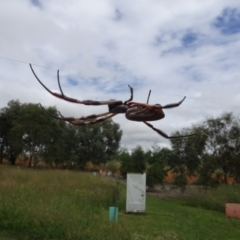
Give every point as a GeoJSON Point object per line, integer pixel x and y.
{"type": "Point", "coordinates": [28, 130]}
{"type": "Point", "coordinates": [124, 157]}
{"type": "Point", "coordinates": [8, 117]}
{"type": "Point", "coordinates": [186, 152]}
{"type": "Point", "coordinates": [223, 142]}
{"type": "Point", "coordinates": [132, 163]}
{"type": "Point", "coordinates": [96, 143]}
{"type": "Point", "coordinates": [138, 160]}
{"type": "Point", "coordinates": [35, 130]}
{"type": "Point", "coordinates": [2, 146]}
{"type": "Point", "coordinates": [156, 170]}
{"type": "Point", "coordinates": [216, 147]}
{"type": "Point", "coordinates": [58, 146]}
{"type": "Point", "coordinates": [206, 171]}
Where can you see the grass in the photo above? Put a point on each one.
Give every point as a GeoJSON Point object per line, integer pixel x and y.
{"type": "Point", "coordinates": [59, 204]}
{"type": "Point", "coordinates": [214, 199]}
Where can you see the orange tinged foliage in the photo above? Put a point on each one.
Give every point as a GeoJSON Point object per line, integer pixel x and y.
{"type": "Point", "coordinates": [192, 179]}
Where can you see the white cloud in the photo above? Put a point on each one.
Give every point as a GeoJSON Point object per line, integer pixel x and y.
{"type": "Point", "coordinates": [117, 43]}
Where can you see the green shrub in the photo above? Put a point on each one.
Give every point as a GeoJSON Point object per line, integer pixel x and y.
{"type": "Point", "coordinates": [180, 180]}
{"type": "Point", "coordinates": [155, 175]}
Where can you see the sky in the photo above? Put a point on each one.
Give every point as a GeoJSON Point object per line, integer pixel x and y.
{"type": "Point", "coordinates": [175, 48]}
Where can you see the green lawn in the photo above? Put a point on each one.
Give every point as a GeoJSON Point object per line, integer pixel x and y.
{"type": "Point", "coordinates": [60, 204]}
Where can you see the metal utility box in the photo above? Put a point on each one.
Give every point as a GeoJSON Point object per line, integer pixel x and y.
{"type": "Point", "coordinates": [136, 192]}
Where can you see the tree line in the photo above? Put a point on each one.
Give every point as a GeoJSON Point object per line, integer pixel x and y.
{"type": "Point", "coordinates": [213, 154]}
{"type": "Point", "coordinates": [25, 130]}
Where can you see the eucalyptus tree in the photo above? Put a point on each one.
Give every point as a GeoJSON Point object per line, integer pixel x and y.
{"type": "Point", "coordinates": [8, 117]}
{"type": "Point", "coordinates": [157, 160]}
{"type": "Point", "coordinates": [27, 129]}
{"type": "Point", "coordinates": [139, 160]}
{"type": "Point", "coordinates": [216, 147]}
{"type": "Point", "coordinates": [97, 143]}
{"type": "Point", "coordinates": [134, 162]}
{"type": "Point", "coordinates": [223, 143]}
{"type": "Point", "coordinates": [123, 155]}
{"type": "Point", "coordinates": [35, 130]}
{"type": "Point", "coordinates": [187, 152]}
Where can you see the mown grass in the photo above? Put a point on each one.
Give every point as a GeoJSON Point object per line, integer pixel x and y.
{"type": "Point", "coordinates": [57, 204]}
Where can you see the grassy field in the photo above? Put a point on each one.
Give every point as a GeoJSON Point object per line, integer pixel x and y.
{"type": "Point", "coordinates": [61, 204]}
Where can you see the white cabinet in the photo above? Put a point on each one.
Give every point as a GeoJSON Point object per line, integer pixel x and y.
{"type": "Point", "coordinates": [136, 192]}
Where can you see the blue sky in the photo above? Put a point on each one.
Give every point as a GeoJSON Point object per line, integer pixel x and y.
{"type": "Point", "coordinates": [175, 48]}
{"type": "Point", "coordinates": [228, 22]}
{"type": "Point", "coordinates": [36, 3]}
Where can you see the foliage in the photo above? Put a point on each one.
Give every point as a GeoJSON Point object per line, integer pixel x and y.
{"type": "Point", "coordinates": [156, 171]}
{"type": "Point", "coordinates": [138, 160]}
{"type": "Point", "coordinates": [216, 147]}
{"type": "Point", "coordinates": [35, 130]}
{"type": "Point", "coordinates": [223, 142]}
{"type": "Point", "coordinates": [26, 130]}
{"type": "Point", "coordinates": [155, 175]}
{"type": "Point", "coordinates": [152, 162]}
{"type": "Point", "coordinates": [206, 172]}
{"type": "Point", "coordinates": [180, 180]}
{"type": "Point", "coordinates": [29, 131]}
{"type": "Point", "coordinates": [8, 117]}
{"type": "Point", "coordinates": [124, 157]}
{"type": "Point", "coordinates": [132, 163]}
{"type": "Point", "coordinates": [186, 152]}
{"type": "Point", "coordinates": [96, 143]}
{"type": "Point", "coordinates": [113, 166]}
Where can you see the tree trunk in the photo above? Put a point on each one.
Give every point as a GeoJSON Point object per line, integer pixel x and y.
{"type": "Point", "coordinates": [12, 159]}
{"type": "Point", "coordinates": [30, 162]}
{"type": "Point", "coordinates": [1, 153]}
{"type": "Point", "coordinates": [225, 173]}
{"type": "Point", "coordinates": [225, 178]}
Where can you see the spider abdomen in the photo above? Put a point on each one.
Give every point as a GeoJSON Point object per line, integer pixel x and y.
{"type": "Point", "coordinates": [142, 114]}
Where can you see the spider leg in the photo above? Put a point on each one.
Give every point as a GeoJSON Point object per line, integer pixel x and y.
{"type": "Point", "coordinates": [83, 118]}
{"type": "Point", "coordinates": [172, 105]}
{"type": "Point", "coordinates": [157, 106]}
{"type": "Point", "coordinates": [91, 119]}
{"type": "Point", "coordinates": [88, 118]}
{"type": "Point", "coordinates": [93, 122]}
{"type": "Point", "coordinates": [131, 95]}
{"type": "Point", "coordinates": [73, 100]}
{"type": "Point", "coordinates": [163, 134]}
{"type": "Point", "coordinates": [148, 96]}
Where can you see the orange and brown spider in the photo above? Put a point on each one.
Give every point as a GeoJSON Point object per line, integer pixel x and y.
{"type": "Point", "coordinates": [133, 111]}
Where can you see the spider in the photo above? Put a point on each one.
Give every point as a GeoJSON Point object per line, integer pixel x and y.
{"type": "Point", "coordinates": [134, 111]}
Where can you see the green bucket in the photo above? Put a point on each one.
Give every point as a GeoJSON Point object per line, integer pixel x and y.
{"type": "Point", "coordinates": [113, 214]}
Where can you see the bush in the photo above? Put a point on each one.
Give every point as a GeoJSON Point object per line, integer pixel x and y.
{"type": "Point", "coordinates": [126, 163]}
{"type": "Point", "coordinates": [113, 166]}
{"type": "Point", "coordinates": [155, 175]}
{"type": "Point", "coordinates": [180, 180]}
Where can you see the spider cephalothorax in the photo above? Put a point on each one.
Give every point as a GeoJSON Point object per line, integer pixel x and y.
{"type": "Point", "coordinates": [134, 111]}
